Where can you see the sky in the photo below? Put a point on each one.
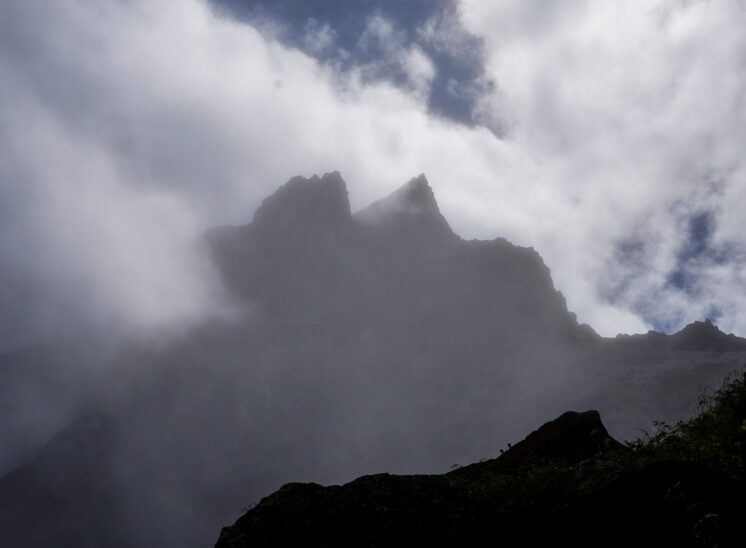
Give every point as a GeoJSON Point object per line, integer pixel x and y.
{"type": "Point", "coordinates": [607, 135]}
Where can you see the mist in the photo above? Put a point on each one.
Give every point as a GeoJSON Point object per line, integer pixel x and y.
{"type": "Point", "coordinates": [211, 337]}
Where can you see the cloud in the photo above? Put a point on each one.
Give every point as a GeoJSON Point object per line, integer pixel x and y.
{"type": "Point", "coordinates": [393, 54]}
{"type": "Point", "coordinates": [130, 127]}
{"type": "Point", "coordinates": [85, 242]}
{"type": "Point", "coordinates": [632, 113]}
{"type": "Point", "coordinates": [445, 33]}
{"type": "Point", "coordinates": [318, 38]}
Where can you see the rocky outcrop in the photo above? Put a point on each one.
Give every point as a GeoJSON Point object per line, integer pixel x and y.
{"type": "Point", "coordinates": [538, 494]}
{"type": "Point", "coordinates": [570, 438]}
{"type": "Point", "coordinates": [705, 335]}
{"type": "Point", "coordinates": [696, 336]}
{"type": "Point", "coordinates": [410, 212]}
{"type": "Point", "coordinates": [304, 256]}
{"type": "Point", "coordinates": [461, 508]}
{"type": "Point", "coordinates": [305, 205]}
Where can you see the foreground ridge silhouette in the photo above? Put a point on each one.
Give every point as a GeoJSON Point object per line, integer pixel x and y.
{"type": "Point", "coordinates": [567, 483]}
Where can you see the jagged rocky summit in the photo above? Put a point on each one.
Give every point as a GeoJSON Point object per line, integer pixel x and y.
{"type": "Point", "coordinates": [697, 336]}
{"type": "Point", "coordinates": [306, 256]}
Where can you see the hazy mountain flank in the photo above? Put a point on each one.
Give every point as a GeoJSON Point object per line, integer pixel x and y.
{"type": "Point", "coordinates": [371, 342]}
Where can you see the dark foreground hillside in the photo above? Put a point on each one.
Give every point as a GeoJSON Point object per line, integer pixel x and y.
{"type": "Point", "coordinates": [568, 483]}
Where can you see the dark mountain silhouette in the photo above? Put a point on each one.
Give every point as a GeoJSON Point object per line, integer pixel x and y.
{"type": "Point", "coordinates": [696, 336]}
{"type": "Point", "coordinates": [566, 484]}
{"type": "Point", "coordinates": [374, 341]}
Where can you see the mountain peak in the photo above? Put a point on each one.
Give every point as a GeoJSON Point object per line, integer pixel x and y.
{"type": "Point", "coordinates": [412, 207]}
{"type": "Point", "coordinates": [706, 336]}
{"type": "Point", "coordinates": [418, 193]}
{"type": "Point", "coordinates": [306, 202]}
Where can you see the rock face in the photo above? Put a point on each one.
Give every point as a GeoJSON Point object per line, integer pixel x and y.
{"type": "Point", "coordinates": [305, 205]}
{"type": "Point", "coordinates": [53, 492]}
{"type": "Point", "coordinates": [570, 437]}
{"type": "Point", "coordinates": [374, 341]}
{"type": "Point", "coordinates": [306, 258]}
{"type": "Point", "coordinates": [409, 213]}
{"type": "Point", "coordinates": [554, 488]}
{"type": "Point", "coordinates": [387, 510]}
{"type": "Point", "coordinates": [697, 337]}
{"type": "Point", "coordinates": [706, 336]}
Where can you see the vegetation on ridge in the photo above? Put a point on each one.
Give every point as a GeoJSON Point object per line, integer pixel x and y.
{"type": "Point", "coordinates": [716, 437]}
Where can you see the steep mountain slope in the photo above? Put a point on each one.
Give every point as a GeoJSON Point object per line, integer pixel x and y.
{"type": "Point", "coordinates": [374, 341]}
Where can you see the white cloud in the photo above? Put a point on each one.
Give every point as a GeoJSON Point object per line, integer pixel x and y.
{"type": "Point", "coordinates": [419, 69]}
{"type": "Point", "coordinates": [318, 38]}
{"type": "Point", "coordinates": [395, 56]}
{"type": "Point", "coordinates": [444, 32]}
{"type": "Point", "coordinates": [629, 110]}
{"type": "Point", "coordinates": [129, 127]}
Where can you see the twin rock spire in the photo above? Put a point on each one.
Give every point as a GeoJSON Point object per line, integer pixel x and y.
{"type": "Point", "coordinates": [308, 203]}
